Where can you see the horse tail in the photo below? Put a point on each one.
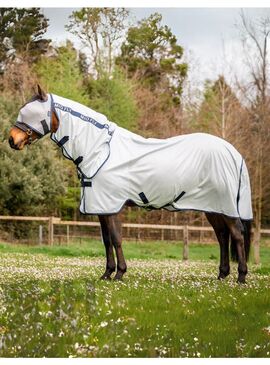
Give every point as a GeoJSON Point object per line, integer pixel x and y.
{"type": "Point", "coordinates": [247, 239]}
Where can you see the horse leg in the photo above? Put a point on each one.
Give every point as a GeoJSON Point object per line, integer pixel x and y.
{"type": "Point", "coordinates": [237, 232]}
{"type": "Point", "coordinates": [222, 232]}
{"type": "Point", "coordinates": [110, 262]}
{"type": "Point", "coordinates": [116, 239]}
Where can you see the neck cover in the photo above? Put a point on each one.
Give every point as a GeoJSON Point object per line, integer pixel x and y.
{"type": "Point", "coordinates": [83, 134]}
{"type": "Point", "coordinates": [36, 116]}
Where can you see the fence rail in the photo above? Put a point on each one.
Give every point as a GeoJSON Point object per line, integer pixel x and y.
{"type": "Point", "coordinates": [55, 221]}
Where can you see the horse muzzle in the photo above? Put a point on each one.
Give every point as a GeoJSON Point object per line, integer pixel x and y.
{"type": "Point", "coordinates": [12, 144]}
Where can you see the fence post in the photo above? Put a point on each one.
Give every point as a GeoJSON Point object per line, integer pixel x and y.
{"type": "Point", "coordinates": [67, 234]}
{"type": "Point", "coordinates": [185, 243]}
{"type": "Point", "coordinates": [40, 234]}
{"type": "Point", "coordinates": [50, 231]}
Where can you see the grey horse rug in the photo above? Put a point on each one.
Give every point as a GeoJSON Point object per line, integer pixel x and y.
{"type": "Point", "coordinates": [194, 171]}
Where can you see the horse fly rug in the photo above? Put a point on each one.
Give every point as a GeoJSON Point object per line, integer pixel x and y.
{"type": "Point", "coordinates": [194, 171]}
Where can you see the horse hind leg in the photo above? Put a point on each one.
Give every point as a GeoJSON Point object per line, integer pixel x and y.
{"type": "Point", "coordinates": [222, 232]}
{"type": "Point", "coordinates": [237, 233]}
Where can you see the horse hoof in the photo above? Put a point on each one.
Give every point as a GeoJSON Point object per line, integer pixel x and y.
{"type": "Point", "coordinates": [241, 280]}
{"type": "Point", "coordinates": [105, 277]}
{"type": "Point", "coordinates": [118, 277]}
{"type": "Point", "coordinates": [222, 276]}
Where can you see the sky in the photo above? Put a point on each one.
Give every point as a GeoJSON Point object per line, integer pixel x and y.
{"type": "Point", "coordinates": [210, 36]}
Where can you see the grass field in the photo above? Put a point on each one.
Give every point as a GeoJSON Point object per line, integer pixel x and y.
{"type": "Point", "coordinates": [52, 304]}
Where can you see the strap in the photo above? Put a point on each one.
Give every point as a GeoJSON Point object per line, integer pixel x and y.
{"type": "Point", "coordinates": [86, 183]}
{"type": "Point", "coordinates": [143, 198]}
{"type": "Point", "coordinates": [78, 160]}
{"type": "Point", "coordinates": [45, 126]}
{"type": "Point", "coordinates": [179, 196]}
{"type": "Point", "coordinates": [63, 141]}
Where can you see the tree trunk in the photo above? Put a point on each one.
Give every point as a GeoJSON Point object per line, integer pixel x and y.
{"type": "Point", "coordinates": [258, 208]}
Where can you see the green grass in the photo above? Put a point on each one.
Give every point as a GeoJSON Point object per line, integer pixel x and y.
{"type": "Point", "coordinates": [52, 304]}
{"type": "Point", "coordinates": [132, 250]}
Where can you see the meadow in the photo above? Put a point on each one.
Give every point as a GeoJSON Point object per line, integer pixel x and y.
{"type": "Point", "coordinates": [53, 304]}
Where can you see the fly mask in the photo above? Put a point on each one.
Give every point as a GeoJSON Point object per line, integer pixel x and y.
{"type": "Point", "coordinates": [36, 116]}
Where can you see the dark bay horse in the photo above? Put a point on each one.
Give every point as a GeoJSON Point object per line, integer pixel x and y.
{"type": "Point", "coordinates": [39, 117]}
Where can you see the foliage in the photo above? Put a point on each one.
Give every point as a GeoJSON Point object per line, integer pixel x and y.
{"type": "Point", "coordinates": [151, 52]}
{"type": "Point", "coordinates": [21, 32]}
{"type": "Point", "coordinates": [113, 97]}
{"type": "Point", "coordinates": [30, 181]}
{"type": "Point", "coordinates": [220, 110]}
{"type": "Point", "coordinates": [69, 203]}
{"type": "Point", "coordinates": [62, 75]}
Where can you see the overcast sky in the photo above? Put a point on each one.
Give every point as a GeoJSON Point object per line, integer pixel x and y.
{"type": "Point", "coordinates": [209, 36]}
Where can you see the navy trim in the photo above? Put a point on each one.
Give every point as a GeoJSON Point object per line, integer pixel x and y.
{"type": "Point", "coordinates": [53, 110]}
{"type": "Point", "coordinates": [143, 198]}
{"type": "Point", "coordinates": [78, 160]}
{"type": "Point", "coordinates": [63, 141]}
{"type": "Point", "coordinates": [176, 210]}
{"type": "Point", "coordinates": [238, 192]}
{"type": "Point", "coordinates": [44, 126]}
{"type": "Point", "coordinates": [83, 117]}
{"type": "Point", "coordinates": [179, 196]}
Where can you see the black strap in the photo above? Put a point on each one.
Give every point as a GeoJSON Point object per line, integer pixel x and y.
{"type": "Point", "coordinates": [78, 160]}
{"type": "Point", "coordinates": [179, 196]}
{"type": "Point", "coordinates": [86, 183]}
{"type": "Point", "coordinates": [63, 141]}
{"type": "Point", "coordinates": [45, 126]}
{"type": "Point", "coordinates": [143, 198]}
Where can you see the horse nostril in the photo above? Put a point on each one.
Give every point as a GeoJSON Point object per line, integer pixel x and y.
{"type": "Point", "coordinates": [11, 142]}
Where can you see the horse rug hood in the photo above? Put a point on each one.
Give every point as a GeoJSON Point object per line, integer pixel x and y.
{"type": "Point", "coordinates": [188, 172]}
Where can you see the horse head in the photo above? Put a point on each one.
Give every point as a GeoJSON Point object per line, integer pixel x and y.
{"type": "Point", "coordinates": [36, 118]}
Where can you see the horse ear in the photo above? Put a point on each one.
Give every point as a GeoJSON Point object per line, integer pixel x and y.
{"type": "Point", "coordinates": [42, 94]}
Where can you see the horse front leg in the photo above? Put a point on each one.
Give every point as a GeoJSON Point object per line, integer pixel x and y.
{"type": "Point", "coordinates": [112, 237]}
{"type": "Point", "coordinates": [106, 237]}
{"type": "Point", "coordinates": [116, 239]}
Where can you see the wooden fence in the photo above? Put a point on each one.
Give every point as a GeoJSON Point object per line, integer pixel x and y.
{"type": "Point", "coordinates": [53, 221]}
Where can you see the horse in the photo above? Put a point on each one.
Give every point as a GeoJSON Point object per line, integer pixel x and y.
{"type": "Point", "coordinates": [118, 168]}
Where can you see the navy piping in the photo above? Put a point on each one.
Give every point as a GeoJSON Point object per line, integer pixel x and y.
{"type": "Point", "coordinates": [66, 155]}
{"type": "Point", "coordinates": [176, 210]}
{"type": "Point", "coordinates": [238, 193]}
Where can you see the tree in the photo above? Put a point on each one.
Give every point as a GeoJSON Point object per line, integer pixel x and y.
{"type": "Point", "coordinates": [151, 53]}
{"type": "Point", "coordinates": [114, 97]}
{"type": "Point", "coordinates": [21, 33]}
{"type": "Point", "coordinates": [220, 111]}
{"type": "Point", "coordinates": [255, 37]}
{"type": "Point", "coordinates": [62, 74]}
{"type": "Point", "coordinates": [99, 30]}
